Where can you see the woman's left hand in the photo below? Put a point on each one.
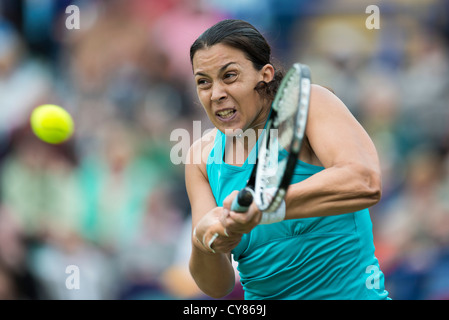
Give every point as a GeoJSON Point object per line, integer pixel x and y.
{"type": "Point", "coordinates": [237, 222]}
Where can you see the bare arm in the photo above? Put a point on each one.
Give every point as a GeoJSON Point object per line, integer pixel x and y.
{"type": "Point", "coordinates": [351, 179]}
{"type": "Point", "coordinates": [213, 272]}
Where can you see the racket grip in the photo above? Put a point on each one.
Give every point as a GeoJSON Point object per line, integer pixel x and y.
{"type": "Point", "coordinates": [243, 200]}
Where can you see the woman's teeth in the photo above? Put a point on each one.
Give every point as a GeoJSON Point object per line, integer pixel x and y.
{"type": "Point", "coordinates": [226, 113]}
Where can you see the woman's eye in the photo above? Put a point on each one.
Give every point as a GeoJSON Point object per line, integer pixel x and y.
{"type": "Point", "coordinates": [230, 76]}
{"type": "Point", "coordinates": [202, 82]}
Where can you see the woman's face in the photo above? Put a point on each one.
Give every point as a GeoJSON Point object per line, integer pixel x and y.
{"type": "Point", "coordinates": [225, 81]}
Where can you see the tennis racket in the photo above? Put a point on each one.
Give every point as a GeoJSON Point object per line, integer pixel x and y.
{"type": "Point", "coordinates": [280, 145]}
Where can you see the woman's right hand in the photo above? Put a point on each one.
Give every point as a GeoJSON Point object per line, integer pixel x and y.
{"type": "Point", "coordinates": [211, 237]}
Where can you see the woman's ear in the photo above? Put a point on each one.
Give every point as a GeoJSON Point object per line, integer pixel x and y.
{"type": "Point", "coordinates": [267, 73]}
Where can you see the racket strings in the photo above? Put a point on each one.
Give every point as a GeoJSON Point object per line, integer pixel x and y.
{"type": "Point", "coordinates": [283, 141]}
{"type": "Point", "coordinates": [279, 139]}
{"type": "Point", "coordinates": [288, 102]}
{"type": "Point", "coordinates": [286, 110]}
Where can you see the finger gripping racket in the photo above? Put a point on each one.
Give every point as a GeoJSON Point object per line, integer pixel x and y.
{"type": "Point", "coordinates": [280, 144]}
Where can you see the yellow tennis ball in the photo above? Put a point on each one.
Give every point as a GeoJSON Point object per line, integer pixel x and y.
{"type": "Point", "coordinates": [51, 123]}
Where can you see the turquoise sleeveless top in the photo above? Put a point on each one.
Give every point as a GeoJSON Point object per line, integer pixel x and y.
{"type": "Point", "coordinates": [310, 258]}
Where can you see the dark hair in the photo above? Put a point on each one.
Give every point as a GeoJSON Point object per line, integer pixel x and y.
{"type": "Point", "coordinates": [242, 35]}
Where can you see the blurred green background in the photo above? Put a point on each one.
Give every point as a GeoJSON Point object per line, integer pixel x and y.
{"type": "Point", "coordinates": [111, 202]}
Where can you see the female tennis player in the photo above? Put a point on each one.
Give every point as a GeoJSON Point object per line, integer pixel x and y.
{"type": "Point", "coordinates": [323, 247]}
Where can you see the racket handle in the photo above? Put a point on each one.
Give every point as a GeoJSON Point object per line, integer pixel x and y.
{"type": "Point", "coordinates": [243, 200]}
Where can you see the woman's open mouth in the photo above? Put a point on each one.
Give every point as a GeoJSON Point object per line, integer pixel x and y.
{"type": "Point", "coordinates": [226, 115]}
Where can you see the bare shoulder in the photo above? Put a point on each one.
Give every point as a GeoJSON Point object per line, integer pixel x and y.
{"type": "Point", "coordinates": [200, 150]}
{"type": "Point", "coordinates": [334, 133]}
{"type": "Point", "coordinates": [320, 95]}
{"type": "Point", "coordinates": [326, 105]}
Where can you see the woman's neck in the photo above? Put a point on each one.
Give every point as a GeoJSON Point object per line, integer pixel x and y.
{"type": "Point", "coordinates": [239, 146]}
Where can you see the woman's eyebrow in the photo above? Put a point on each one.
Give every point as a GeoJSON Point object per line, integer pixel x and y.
{"type": "Point", "coordinates": [225, 66]}
{"type": "Point", "coordinates": [220, 70]}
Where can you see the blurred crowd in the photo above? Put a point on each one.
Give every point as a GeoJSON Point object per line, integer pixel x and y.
{"type": "Point", "coordinates": [111, 202]}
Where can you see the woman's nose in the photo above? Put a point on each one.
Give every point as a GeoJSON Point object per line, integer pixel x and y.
{"type": "Point", "coordinates": [218, 92]}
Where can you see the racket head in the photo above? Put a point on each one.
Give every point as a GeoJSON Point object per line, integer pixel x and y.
{"type": "Point", "coordinates": [282, 138]}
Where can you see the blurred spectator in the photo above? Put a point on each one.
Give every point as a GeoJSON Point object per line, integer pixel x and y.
{"type": "Point", "coordinates": [16, 279]}
{"type": "Point", "coordinates": [116, 182]}
{"type": "Point", "coordinates": [7, 286]}
{"type": "Point", "coordinates": [18, 72]}
{"type": "Point", "coordinates": [39, 184]}
{"type": "Point", "coordinates": [50, 262]}
{"type": "Point", "coordinates": [157, 236]}
{"type": "Point", "coordinates": [414, 230]}
{"type": "Point", "coordinates": [131, 212]}
{"type": "Point", "coordinates": [176, 30]}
